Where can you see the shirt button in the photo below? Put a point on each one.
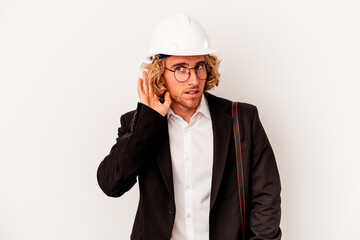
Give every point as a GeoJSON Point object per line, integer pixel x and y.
{"type": "Point", "coordinates": [186, 131]}
{"type": "Point", "coordinates": [188, 187]}
{"type": "Point", "coordinates": [187, 158]}
{"type": "Point", "coordinates": [188, 216]}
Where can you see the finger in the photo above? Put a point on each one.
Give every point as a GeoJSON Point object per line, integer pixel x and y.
{"type": "Point", "coordinates": [151, 91]}
{"type": "Point", "coordinates": [167, 99]}
{"type": "Point", "coordinates": [142, 95]}
{"type": "Point", "coordinates": [144, 82]}
{"type": "Point", "coordinates": [140, 86]}
{"type": "Point", "coordinates": [140, 90]}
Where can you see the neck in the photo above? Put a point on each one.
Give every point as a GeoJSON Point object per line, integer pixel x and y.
{"type": "Point", "coordinates": [184, 113]}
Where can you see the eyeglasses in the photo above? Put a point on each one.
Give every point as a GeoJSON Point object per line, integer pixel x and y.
{"type": "Point", "coordinates": [182, 74]}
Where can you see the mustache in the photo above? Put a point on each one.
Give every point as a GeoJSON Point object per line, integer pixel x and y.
{"type": "Point", "coordinates": [192, 90]}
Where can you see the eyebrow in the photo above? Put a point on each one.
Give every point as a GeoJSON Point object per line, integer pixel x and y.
{"type": "Point", "coordinates": [185, 64]}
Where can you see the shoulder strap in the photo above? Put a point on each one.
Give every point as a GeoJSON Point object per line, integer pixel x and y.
{"type": "Point", "coordinates": [239, 165]}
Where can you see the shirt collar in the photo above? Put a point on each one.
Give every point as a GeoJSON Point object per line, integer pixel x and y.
{"type": "Point", "coordinates": [203, 108]}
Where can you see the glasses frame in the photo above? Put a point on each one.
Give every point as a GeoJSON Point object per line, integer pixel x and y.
{"type": "Point", "coordinates": [189, 72]}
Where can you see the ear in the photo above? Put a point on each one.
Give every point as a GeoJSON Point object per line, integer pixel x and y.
{"type": "Point", "coordinates": [163, 81]}
{"type": "Point", "coordinates": [159, 86]}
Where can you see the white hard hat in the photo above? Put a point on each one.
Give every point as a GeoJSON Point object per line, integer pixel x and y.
{"type": "Point", "coordinates": [180, 35]}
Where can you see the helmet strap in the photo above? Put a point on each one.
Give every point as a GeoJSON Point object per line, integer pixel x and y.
{"type": "Point", "coordinates": [161, 56]}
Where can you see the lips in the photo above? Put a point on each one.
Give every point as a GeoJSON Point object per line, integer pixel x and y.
{"type": "Point", "coordinates": [192, 92]}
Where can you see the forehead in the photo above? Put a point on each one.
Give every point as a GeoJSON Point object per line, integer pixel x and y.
{"type": "Point", "coordinates": [186, 60]}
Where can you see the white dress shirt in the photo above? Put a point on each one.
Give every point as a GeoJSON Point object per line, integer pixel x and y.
{"type": "Point", "coordinates": [191, 147]}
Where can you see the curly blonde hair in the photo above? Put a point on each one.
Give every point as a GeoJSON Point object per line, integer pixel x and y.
{"type": "Point", "coordinates": [156, 67]}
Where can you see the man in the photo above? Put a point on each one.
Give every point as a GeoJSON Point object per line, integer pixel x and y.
{"type": "Point", "coordinates": [179, 144]}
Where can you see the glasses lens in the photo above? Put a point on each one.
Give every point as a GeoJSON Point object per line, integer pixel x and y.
{"type": "Point", "coordinates": [182, 74]}
{"type": "Point", "coordinates": [201, 71]}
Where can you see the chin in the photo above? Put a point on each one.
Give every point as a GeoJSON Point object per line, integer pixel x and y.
{"type": "Point", "coordinates": [191, 104]}
{"type": "Point", "coordinates": [185, 102]}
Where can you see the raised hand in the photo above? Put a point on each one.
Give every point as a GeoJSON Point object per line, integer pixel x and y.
{"type": "Point", "coordinates": [149, 98]}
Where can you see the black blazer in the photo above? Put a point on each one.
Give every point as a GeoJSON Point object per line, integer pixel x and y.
{"type": "Point", "coordinates": [142, 151]}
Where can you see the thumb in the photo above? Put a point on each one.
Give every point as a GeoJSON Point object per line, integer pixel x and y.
{"type": "Point", "coordinates": [167, 99]}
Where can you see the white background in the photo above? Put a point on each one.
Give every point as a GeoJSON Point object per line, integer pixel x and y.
{"type": "Point", "coordinates": [68, 70]}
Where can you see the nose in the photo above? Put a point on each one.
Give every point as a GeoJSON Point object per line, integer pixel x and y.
{"type": "Point", "coordinates": [193, 79]}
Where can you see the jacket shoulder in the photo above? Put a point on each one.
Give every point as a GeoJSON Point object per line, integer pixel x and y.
{"type": "Point", "coordinates": [128, 116]}
{"type": "Point", "coordinates": [127, 121]}
{"type": "Point", "coordinates": [244, 108]}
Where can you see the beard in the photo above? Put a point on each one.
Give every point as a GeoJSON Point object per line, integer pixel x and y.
{"type": "Point", "coordinates": [187, 103]}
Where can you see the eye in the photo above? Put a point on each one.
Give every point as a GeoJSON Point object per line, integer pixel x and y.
{"type": "Point", "coordinates": [180, 69]}
{"type": "Point", "coordinates": [200, 66]}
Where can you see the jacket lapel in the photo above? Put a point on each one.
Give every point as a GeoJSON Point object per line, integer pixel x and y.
{"type": "Point", "coordinates": [221, 122]}
{"type": "Point", "coordinates": [164, 160]}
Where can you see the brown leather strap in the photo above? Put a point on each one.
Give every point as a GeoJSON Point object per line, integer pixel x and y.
{"type": "Point", "coordinates": [239, 165]}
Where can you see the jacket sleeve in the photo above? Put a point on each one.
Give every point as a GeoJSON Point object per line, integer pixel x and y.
{"type": "Point", "coordinates": [265, 187]}
{"type": "Point", "coordinates": [117, 173]}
